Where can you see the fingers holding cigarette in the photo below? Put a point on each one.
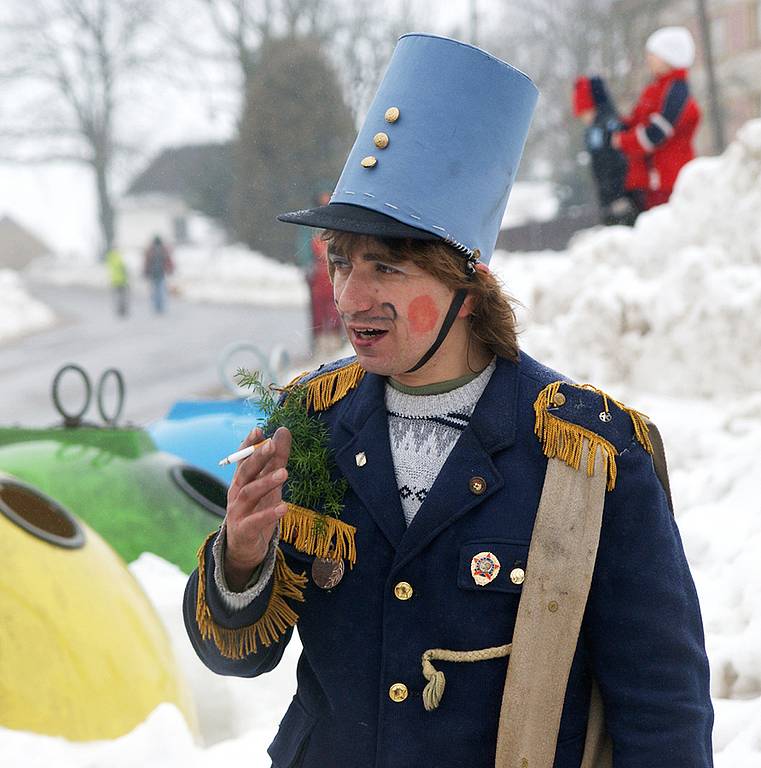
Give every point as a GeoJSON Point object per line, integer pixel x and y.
{"type": "Point", "coordinates": [255, 502]}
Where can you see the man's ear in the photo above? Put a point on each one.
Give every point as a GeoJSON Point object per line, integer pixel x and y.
{"type": "Point", "coordinates": [467, 306]}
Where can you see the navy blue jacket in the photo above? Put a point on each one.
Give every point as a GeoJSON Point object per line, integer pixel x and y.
{"type": "Point", "coordinates": [641, 637]}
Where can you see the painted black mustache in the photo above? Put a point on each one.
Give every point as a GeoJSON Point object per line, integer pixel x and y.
{"type": "Point", "coordinates": [390, 308]}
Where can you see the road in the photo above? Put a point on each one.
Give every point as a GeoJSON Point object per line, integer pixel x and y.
{"type": "Point", "coordinates": [163, 358]}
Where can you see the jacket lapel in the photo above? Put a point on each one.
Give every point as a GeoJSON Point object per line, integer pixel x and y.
{"type": "Point", "coordinates": [491, 429]}
{"type": "Point", "coordinates": [363, 429]}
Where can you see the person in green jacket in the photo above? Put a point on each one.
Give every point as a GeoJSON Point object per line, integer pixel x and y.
{"type": "Point", "coordinates": [119, 279]}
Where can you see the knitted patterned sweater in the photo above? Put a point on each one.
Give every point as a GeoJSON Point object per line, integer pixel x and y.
{"type": "Point", "coordinates": [423, 429]}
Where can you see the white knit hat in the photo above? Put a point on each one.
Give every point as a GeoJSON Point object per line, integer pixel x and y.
{"type": "Point", "coordinates": [674, 45]}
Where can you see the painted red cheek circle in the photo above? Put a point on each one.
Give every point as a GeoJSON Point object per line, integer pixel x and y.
{"type": "Point", "coordinates": [423, 314]}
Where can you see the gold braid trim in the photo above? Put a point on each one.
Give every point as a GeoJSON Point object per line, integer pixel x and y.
{"type": "Point", "coordinates": [328, 388]}
{"type": "Point", "coordinates": [319, 535]}
{"type": "Point", "coordinates": [276, 620]}
{"type": "Point", "coordinates": [564, 440]}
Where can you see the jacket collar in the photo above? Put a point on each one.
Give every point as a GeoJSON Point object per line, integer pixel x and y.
{"type": "Point", "coordinates": [363, 428]}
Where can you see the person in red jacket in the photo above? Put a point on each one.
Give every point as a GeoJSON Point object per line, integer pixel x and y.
{"type": "Point", "coordinates": [657, 137]}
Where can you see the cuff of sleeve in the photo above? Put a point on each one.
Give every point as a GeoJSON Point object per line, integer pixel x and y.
{"type": "Point", "coordinates": [237, 601]}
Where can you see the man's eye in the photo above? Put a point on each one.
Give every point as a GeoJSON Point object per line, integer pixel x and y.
{"type": "Point", "coordinates": [339, 263]}
{"type": "Point", "coordinates": [386, 270]}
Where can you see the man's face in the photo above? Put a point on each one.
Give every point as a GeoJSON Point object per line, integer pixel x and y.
{"type": "Point", "coordinates": [392, 311]}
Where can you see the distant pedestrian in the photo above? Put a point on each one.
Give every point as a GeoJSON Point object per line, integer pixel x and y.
{"type": "Point", "coordinates": [158, 264]}
{"type": "Point", "coordinates": [119, 279]}
{"type": "Point", "coordinates": [657, 137]}
{"type": "Point", "coordinates": [594, 107]}
{"type": "Point", "coordinates": [312, 252]}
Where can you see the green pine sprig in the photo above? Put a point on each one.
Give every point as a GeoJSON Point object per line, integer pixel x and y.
{"type": "Point", "coordinates": [310, 483]}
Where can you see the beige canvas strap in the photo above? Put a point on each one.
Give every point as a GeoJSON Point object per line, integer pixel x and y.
{"type": "Point", "coordinates": [558, 576]}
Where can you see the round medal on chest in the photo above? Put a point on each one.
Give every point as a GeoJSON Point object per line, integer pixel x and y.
{"type": "Point", "coordinates": [484, 568]}
{"type": "Point", "coordinates": [327, 573]}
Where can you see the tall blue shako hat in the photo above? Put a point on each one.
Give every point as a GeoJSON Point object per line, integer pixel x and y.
{"type": "Point", "coordinates": [437, 155]}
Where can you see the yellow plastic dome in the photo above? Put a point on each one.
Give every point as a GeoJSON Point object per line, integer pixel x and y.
{"type": "Point", "coordinates": [83, 653]}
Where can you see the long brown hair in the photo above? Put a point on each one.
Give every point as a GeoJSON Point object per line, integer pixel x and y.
{"type": "Point", "coordinates": [492, 320]}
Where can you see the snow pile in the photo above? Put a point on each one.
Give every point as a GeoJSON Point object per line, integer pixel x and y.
{"type": "Point", "coordinates": [665, 316]}
{"type": "Point", "coordinates": [236, 274]}
{"type": "Point", "coordinates": [72, 268]}
{"type": "Point", "coordinates": [671, 305]}
{"type": "Point", "coordinates": [19, 312]}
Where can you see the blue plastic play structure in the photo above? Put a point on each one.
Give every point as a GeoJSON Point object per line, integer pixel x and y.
{"type": "Point", "coordinates": [204, 431]}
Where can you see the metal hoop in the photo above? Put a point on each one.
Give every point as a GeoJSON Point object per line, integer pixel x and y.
{"type": "Point", "coordinates": [117, 374]}
{"type": "Point", "coordinates": [71, 419]}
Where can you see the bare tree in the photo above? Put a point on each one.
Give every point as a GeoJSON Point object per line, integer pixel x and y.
{"type": "Point", "coordinates": [358, 37]}
{"type": "Point", "coordinates": [67, 68]}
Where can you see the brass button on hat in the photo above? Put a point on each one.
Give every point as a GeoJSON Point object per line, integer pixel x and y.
{"type": "Point", "coordinates": [392, 114]}
{"type": "Point", "coordinates": [558, 399]}
{"type": "Point", "coordinates": [517, 575]}
{"type": "Point", "coordinates": [369, 162]}
{"type": "Point", "coordinates": [380, 140]}
{"type": "Point", "coordinates": [398, 692]}
{"type": "Point", "coordinates": [477, 485]}
{"type": "Point", "coordinates": [403, 590]}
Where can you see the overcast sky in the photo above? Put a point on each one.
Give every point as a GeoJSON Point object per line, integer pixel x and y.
{"type": "Point", "coordinates": [57, 202]}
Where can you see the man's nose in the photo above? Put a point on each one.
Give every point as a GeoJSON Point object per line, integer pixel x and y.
{"type": "Point", "coordinates": [353, 295]}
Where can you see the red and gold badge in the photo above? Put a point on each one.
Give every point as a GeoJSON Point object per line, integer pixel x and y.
{"type": "Point", "coordinates": [484, 568]}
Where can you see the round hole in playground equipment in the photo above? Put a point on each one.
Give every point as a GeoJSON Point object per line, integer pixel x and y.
{"type": "Point", "coordinates": [39, 515]}
{"type": "Point", "coordinates": [202, 487]}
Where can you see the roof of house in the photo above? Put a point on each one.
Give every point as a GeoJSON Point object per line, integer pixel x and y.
{"type": "Point", "coordinates": [18, 246]}
{"type": "Point", "coordinates": [190, 172]}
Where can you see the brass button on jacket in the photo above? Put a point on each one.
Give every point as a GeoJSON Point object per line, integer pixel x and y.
{"type": "Point", "coordinates": [398, 692]}
{"type": "Point", "coordinates": [403, 590]}
{"type": "Point", "coordinates": [392, 114]}
{"type": "Point", "coordinates": [477, 485]}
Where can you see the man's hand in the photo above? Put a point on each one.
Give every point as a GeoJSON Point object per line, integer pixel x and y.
{"type": "Point", "coordinates": [254, 505]}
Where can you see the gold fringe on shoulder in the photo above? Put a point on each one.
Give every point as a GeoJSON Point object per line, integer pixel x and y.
{"type": "Point", "coordinates": [318, 535]}
{"type": "Point", "coordinates": [639, 420]}
{"type": "Point", "coordinates": [564, 440]}
{"type": "Point", "coordinates": [276, 620]}
{"type": "Point", "coordinates": [328, 388]}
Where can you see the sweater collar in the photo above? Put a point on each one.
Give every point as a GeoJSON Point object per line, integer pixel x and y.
{"type": "Point", "coordinates": [493, 420]}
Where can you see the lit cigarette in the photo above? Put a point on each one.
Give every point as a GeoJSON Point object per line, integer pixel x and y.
{"type": "Point", "coordinates": [244, 453]}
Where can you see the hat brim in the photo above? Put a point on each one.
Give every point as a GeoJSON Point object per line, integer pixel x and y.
{"type": "Point", "coordinates": [344, 217]}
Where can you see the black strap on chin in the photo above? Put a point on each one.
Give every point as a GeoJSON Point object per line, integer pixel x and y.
{"type": "Point", "coordinates": [454, 308]}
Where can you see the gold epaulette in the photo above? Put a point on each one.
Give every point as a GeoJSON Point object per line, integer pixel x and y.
{"type": "Point", "coordinates": [319, 535]}
{"type": "Point", "coordinates": [562, 436]}
{"type": "Point", "coordinates": [324, 389]}
{"type": "Point", "coordinates": [274, 622]}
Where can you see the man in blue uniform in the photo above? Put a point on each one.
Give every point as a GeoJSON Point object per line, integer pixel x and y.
{"type": "Point", "coordinates": [443, 431]}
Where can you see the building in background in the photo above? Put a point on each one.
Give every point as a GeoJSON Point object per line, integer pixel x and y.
{"type": "Point", "coordinates": [183, 196]}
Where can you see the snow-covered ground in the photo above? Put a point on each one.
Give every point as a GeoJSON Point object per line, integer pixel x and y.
{"type": "Point", "coordinates": [666, 317]}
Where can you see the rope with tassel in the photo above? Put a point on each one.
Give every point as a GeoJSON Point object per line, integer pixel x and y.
{"type": "Point", "coordinates": [434, 689]}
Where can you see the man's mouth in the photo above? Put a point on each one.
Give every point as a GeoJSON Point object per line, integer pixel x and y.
{"type": "Point", "coordinates": [368, 333]}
